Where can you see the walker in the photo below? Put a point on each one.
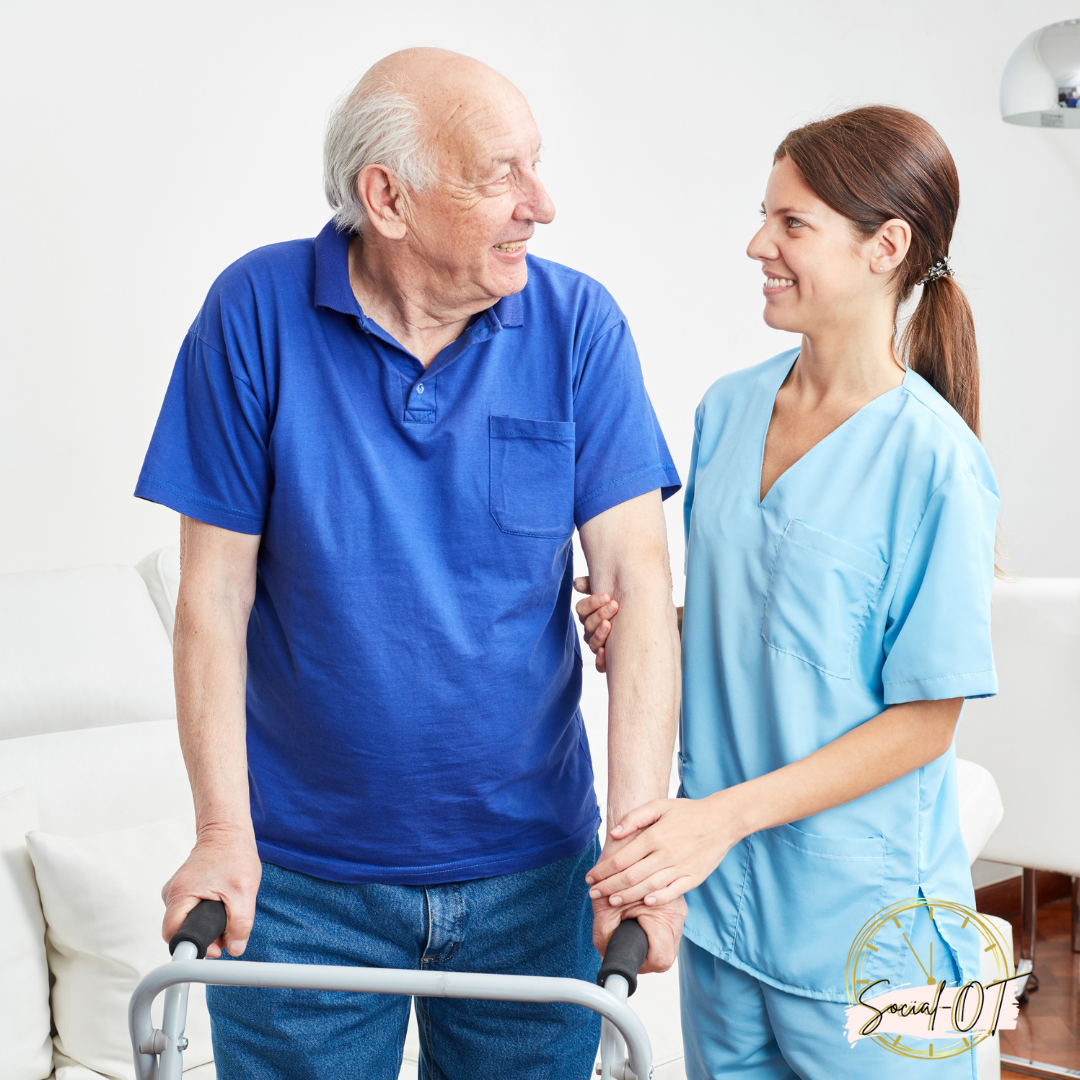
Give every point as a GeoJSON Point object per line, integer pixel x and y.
{"type": "Point", "coordinates": [625, 1051]}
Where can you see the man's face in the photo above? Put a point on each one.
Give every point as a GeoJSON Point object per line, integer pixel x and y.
{"type": "Point", "coordinates": [470, 229]}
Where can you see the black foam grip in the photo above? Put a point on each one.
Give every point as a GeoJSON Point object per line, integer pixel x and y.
{"type": "Point", "coordinates": [626, 952]}
{"type": "Point", "coordinates": [204, 924]}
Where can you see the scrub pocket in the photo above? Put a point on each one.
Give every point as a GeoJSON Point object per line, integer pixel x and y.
{"type": "Point", "coordinates": [819, 594]}
{"type": "Point", "coordinates": [806, 898]}
{"type": "Point", "coordinates": [532, 476]}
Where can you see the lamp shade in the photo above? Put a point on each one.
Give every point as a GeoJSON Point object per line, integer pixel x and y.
{"type": "Point", "coordinates": [1041, 83]}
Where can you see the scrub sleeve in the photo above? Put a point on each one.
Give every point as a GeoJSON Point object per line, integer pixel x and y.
{"type": "Point", "coordinates": [937, 645]}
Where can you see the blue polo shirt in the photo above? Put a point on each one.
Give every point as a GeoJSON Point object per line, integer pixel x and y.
{"type": "Point", "coordinates": [413, 668]}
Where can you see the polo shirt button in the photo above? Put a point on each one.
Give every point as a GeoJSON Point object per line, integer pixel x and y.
{"type": "Point", "coordinates": [420, 388]}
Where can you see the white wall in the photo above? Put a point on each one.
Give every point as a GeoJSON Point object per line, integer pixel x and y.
{"type": "Point", "coordinates": [145, 146]}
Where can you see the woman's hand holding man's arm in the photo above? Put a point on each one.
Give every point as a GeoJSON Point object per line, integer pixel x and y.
{"type": "Point", "coordinates": [595, 613]}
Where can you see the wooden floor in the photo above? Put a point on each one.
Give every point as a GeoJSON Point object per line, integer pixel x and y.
{"type": "Point", "coordinates": [1049, 1025]}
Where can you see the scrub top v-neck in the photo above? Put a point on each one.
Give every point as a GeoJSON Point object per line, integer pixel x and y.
{"type": "Point", "coordinates": [861, 580]}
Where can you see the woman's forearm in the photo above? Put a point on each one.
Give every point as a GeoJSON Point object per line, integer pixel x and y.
{"type": "Point", "coordinates": [898, 741]}
{"type": "Point", "coordinates": [672, 845]}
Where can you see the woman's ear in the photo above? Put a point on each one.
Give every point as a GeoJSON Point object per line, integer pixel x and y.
{"type": "Point", "coordinates": [890, 245]}
{"type": "Point", "coordinates": [384, 200]}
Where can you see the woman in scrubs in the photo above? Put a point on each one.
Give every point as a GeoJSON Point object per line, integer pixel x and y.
{"type": "Point", "coordinates": [840, 519]}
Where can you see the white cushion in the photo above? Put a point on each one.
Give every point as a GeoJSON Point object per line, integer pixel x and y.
{"type": "Point", "coordinates": [81, 648]}
{"type": "Point", "coordinates": [102, 901]}
{"type": "Point", "coordinates": [98, 779]}
{"type": "Point", "coordinates": [980, 806]}
{"type": "Point", "coordinates": [25, 1048]}
{"type": "Point", "coordinates": [161, 572]}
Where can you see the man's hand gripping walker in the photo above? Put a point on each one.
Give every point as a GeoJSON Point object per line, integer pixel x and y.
{"type": "Point", "coordinates": [625, 1051]}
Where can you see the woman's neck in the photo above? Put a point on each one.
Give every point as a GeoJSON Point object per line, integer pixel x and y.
{"type": "Point", "coordinates": [847, 366]}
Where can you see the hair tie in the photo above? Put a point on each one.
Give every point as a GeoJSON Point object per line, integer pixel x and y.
{"type": "Point", "coordinates": [942, 268]}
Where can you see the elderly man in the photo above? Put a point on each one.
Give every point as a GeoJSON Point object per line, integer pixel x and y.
{"type": "Point", "coordinates": [381, 441]}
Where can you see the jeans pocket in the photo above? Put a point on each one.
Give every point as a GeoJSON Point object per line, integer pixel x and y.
{"type": "Point", "coordinates": [532, 476]}
{"type": "Point", "coordinates": [820, 591]}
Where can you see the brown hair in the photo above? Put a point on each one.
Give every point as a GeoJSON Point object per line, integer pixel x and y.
{"type": "Point", "coordinates": [876, 163]}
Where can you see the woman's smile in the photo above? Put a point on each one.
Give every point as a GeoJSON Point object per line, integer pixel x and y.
{"type": "Point", "coordinates": [776, 285]}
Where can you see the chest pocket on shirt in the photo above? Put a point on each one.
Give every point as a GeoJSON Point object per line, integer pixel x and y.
{"type": "Point", "coordinates": [819, 594]}
{"type": "Point", "coordinates": [532, 476]}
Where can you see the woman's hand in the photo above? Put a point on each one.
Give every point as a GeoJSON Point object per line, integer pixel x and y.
{"type": "Point", "coordinates": [680, 843]}
{"type": "Point", "coordinates": [661, 922]}
{"type": "Point", "coordinates": [595, 613]}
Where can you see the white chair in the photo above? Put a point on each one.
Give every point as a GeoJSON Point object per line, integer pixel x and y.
{"type": "Point", "coordinates": [1028, 737]}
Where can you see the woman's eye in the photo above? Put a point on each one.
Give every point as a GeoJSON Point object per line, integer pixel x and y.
{"type": "Point", "coordinates": [794, 223]}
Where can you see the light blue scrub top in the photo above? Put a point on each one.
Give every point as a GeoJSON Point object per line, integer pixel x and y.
{"type": "Point", "coordinates": [862, 580]}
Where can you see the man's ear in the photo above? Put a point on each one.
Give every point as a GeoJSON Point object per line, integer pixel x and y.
{"type": "Point", "coordinates": [384, 199]}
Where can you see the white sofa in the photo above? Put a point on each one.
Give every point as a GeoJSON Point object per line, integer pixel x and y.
{"type": "Point", "coordinates": [95, 813]}
{"type": "Point", "coordinates": [90, 747]}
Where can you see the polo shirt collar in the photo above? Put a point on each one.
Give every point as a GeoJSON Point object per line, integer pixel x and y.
{"type": "Point", "coordinates": [510, 310]}
{"type": "Point", "coordinates": [333, 290]}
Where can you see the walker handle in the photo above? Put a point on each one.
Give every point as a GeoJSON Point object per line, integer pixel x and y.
{"type": "Point", "coordinates": [626, 952]}
{"type": "Point", "coordinates": [204, 924]}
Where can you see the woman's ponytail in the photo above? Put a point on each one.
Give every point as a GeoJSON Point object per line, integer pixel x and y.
{"type": "Point", "coordinates": [939, 344]}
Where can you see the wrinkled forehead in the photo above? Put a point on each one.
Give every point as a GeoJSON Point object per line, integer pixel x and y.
{"type": "Point", "coordinates": [478, 127]}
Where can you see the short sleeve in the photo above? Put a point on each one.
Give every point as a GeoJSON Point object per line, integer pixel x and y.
{"type": "Point", "coordinates": [937, 643]}
{"type": "Point", "coordinates": [208, 458]}
{"type": "Point", "coordinates": [620, 450]}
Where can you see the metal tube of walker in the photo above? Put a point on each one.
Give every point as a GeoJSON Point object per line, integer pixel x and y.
{"type": "Point", "coordinates": [380, 981]}
{"type": "Point", "coordinates": [174, 1020]}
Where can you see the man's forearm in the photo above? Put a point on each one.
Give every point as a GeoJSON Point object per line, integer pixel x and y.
{"type": "Point", "coordinates": [626, 548]}
{"type": "Point", "coordinates": [643, 694]}
{"type": "Point", "coordinates": [210, 672]}
{"type": "Point", "coordinates": [217, 589]}
{"type": "Point", "coordinates": [210, 690]}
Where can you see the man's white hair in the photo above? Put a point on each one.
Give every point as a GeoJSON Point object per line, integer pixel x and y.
{"type": "Point", "coordinates": [375, 124]}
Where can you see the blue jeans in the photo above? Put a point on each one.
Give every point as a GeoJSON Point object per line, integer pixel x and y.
{"type": "Point", "coordinates": [535, 922]}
